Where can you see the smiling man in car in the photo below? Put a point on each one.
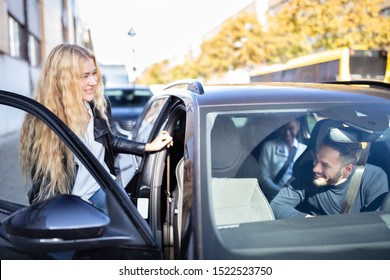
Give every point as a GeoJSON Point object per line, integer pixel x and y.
{"type": "Point", "coordinates": [322, 186]}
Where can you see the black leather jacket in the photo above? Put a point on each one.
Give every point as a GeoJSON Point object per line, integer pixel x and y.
{"type": "Point", "coordinates": [113, 144]}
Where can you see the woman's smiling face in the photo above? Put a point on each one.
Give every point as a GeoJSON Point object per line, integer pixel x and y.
{"type": "Point", "coordinates": [89, 80]}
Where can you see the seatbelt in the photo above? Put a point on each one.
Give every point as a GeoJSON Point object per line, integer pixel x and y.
{"type": "Point", "coordinates": [354, 185]}
{"type": "Point", "coordinates": [353, 189]}
{"type": "Point", "coordinates": [282, 171]}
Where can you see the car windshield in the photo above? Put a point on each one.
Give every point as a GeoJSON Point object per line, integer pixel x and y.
{"type": "Point", "coordinates": [234, 156]}
{"type": "Point", "coordinates": [132, 97]}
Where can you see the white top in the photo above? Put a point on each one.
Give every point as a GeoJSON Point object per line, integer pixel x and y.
{"type": "Point", "coordinates": [273, 155]}
{"type": "Point", "coordinates": [85, 185]}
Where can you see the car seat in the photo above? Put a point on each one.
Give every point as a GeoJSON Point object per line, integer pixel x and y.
{"type": "Point", "coordinates": [230, 159]}
{"type": "Point", "coordinates": [239, 200]}
{"type": "Point", "coordinates": [385, 206]}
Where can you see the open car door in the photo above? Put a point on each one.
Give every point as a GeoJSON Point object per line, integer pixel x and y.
{"type": "Point", "coordinates": [67, 223]}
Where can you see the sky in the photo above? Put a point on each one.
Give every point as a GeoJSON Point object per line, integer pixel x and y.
{"type": "Point", "coordinates": [163, 28]}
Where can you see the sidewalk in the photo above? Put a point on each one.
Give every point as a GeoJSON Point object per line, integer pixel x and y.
{"type": "Point", "coordinates": [12, 186]}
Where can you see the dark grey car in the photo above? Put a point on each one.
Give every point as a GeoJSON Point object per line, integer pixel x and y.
{"type": "Point", "coordinates": [201, 199]}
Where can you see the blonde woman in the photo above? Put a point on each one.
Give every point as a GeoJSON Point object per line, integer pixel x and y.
{"type": "Point", "coordinates": [71, 87]}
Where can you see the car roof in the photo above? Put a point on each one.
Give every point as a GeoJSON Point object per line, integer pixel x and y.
{"type": "Point", "coordinates": [288, 96]}
{"type": "Point", "coordinates": [286, 93]}
{"type": "Point", "coordinates": [126, 86]}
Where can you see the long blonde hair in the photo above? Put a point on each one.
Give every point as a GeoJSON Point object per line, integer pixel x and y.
{"type": "Point", "coordinates": [44, 158]}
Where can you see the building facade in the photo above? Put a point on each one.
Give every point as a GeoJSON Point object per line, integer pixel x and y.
{"type": "Point", "coordinates": [29, 29]}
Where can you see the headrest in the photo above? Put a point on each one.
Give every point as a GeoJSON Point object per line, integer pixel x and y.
{"type": "Point", "coordinates": [226, 149]}
{"type": "Point", "coordinates": [320, 130]}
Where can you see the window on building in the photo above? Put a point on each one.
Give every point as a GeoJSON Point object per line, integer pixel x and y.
{"type": "Point", "coordinates": [14, 34]}
{"type": "Point", "coordinates": [17, 38]}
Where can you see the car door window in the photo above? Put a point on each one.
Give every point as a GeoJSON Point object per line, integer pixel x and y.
{"type": "Point", "coordinates": [131, 164]}
{"type": "Point", "coordinates": [148, 119]}
{"type": "Point", "coordinates": [144, 127]}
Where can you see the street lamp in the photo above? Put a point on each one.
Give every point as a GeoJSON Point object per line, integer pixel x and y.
{"type": "Point", "coordinates": [132, 33]}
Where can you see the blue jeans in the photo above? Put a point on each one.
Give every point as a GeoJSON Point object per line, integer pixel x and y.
{"type": "Point", "coordinates": [99, 199]}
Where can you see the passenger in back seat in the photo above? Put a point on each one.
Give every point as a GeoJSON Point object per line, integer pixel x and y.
{"type": "Point", "coordinates": [277, 158]}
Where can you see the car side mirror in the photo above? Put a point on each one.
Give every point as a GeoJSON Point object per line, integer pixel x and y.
{"type": "Point", "coordinates": [54, 224]}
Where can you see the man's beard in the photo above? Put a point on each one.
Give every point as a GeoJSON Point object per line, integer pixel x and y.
{"type": "Point", "coordinates": [321, 181]}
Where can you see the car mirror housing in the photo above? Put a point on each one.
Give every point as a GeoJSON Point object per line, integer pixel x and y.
{"type": "Point", "coordinates": [342, 135]}
{"type": "Point", "coordinates": [64, 218]}
{"type": "Point", "coordinates": [353, 135]}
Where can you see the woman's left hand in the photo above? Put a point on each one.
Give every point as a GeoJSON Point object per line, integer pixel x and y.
{"type": "Point", "coordinates": [162, 140]}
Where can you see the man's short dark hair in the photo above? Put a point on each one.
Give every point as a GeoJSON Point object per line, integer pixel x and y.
{"type": "Point", "coordinates": [349, 152]}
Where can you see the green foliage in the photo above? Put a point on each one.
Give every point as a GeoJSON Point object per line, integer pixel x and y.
{"type": "Point", "coordinates": [301, 27]}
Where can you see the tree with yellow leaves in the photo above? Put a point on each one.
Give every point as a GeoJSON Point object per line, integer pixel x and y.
{"type": "Point", "coordinates": [312, 25]}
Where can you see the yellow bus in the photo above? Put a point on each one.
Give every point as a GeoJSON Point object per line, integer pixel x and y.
{"type": "Point", "coordinates": [342, 64]}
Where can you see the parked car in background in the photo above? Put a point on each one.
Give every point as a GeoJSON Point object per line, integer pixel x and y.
{"type": "Point", "coordinates": [127, 103]}
{"type": "Point", "coordinates": [201, 198]}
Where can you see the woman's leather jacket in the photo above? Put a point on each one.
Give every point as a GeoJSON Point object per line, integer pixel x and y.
{"type": "Point", "coordinates": [114, 144]}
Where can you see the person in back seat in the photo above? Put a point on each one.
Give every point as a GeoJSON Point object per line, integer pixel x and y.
{"type": "Point", "coordinates": [277, 158]}
{"type": "Point", "coordinates": [322, 184]}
